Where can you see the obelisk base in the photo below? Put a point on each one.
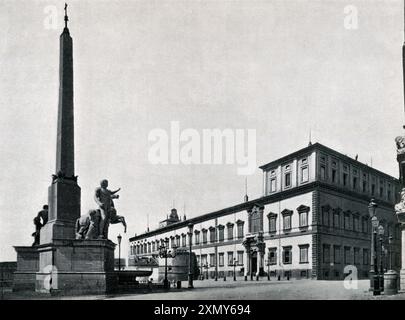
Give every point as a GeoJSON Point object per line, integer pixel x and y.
{"type": "Point", "coordinates": [64, 209]}
{"type": "Point", "coordinates": [76, 267]}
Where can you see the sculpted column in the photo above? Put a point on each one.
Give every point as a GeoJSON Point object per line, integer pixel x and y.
{"type": "Point", "coordinates": [400, 207]}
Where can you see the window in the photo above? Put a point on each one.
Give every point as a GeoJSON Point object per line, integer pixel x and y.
{"type": "Point", "coordinates": [364, 224]}
{"type": "Point", "coordinates": [364, 182]}
{"type": "Point", "coordinates": [334, 175]}
{"type": "Point", "coordinates": [304, 253]}
{"type": "Point", "coordinates": [183, 240]}
{"type": "Point", "coordinates": [326, 253]}
{"type": "Point", "coordinates": [204, 260]}
{"type": "Point", "coordinates": [212, 235]}
{"type": "Point", "coordinates": [204, 238]}
{"type": "Point", "coordinates": [356, 255]}
{"type": "Point", "coordinates": [221, 233]}
{"type": "Point", "coordinates": [347, 221]}
{"type": "Point", "coordinates": [355, 183]}
{"type": "Point", "coordinates": [272, 222]}
{"type": "Point", "coordinates": [366, 257]}
{"type": "Point", "coordinates": [372, 189]}
{"type": "Point", "coordinates": [178, 241]}
{"type": "Point", "coordinates": [287, 255]}
{"type": "Point", "coordinates": [272, 256]}
{"type": "Point", "coordinates": [197, 237]}
{"type": "Point", "coordinates": [240, 229]}
{"type": "Point", "coordinates": [287, 181]}
{"type": "Point", "coordinates": [221, 259]}
{"type": "Point", "coordinates": [212, 259]}
{"type": "Point", "coordinates": [273, 185]}
{"type": "Point", "coordinates": [323, 172]}
{"type": "Point", "coordinates": [303, 215]}
{"type": "Point", "coordinates": [325, 215]}
{"type": "Point", "coordinates": [304, 174]}
{"type": "Point", "coordinates": [336, 218]}
{"type": "Point", "coordinates": [336, 254]}
{"type": "Point", "coordinates": [255, 219]}
{"type": "Point", "coordinates": [345, 179]}
{"type": "Point", "coordinates": [347, 255]}
{"type": "Point", "coordinates": [230, 258]}
{"type": "Point", "coordinates": [356, 225]}
{"type": "Point", "coordinates": [286, 219]}
{"type": "Point", "coordinates": [240, 258]}
{"type": "Point", "coordinates": [198, 260]}
{"type": "Point", "coordinates": [230, 231]}
{"type": "Point", "coordinates": [389, 192]}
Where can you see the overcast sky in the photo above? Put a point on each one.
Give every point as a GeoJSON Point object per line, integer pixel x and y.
{"type": "Point", "coordinates": [280, 67]}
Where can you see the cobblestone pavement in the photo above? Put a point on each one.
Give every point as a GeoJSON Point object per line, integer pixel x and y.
{"type": "Point", "coordinates": [242, 290]}
{"type": "Point", "coordinates": [261, 290]}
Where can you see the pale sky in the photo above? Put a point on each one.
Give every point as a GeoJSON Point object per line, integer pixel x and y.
{"type": "Point", "coordinates": [280, 67]}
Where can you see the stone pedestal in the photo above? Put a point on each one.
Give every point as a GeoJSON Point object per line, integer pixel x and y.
{"type": "Point", "coordinates": [27, 267]}
{"type": "Point", "coordinates": [390, 283]}
{"type": "Point", "coordinates": [76, 267]}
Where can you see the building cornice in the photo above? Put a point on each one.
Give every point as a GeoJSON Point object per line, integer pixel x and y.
{"type": "Point", "coordinates": [321, 147]}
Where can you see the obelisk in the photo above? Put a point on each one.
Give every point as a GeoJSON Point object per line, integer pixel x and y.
{"type": "Point", "coordinates": [64, 192]}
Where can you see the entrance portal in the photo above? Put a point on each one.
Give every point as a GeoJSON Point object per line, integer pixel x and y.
{"type": "Point", "coordinates": [254, 263]}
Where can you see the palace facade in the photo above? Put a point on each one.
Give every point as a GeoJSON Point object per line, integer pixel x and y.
{"type": "Point", "coordinates": [311, 222]}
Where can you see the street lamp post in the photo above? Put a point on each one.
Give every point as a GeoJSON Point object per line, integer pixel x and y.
{"type": "Point", "coordinates": [268, 269]}
{"type": "Point", "coordinates": [164, 253]}
{"type": "Point", "coordinates": [372, 213]}
{"type": "Point", "coordinates": [190, 266]}
{"type": "Point", "coordinates": [234, 269]}
{"type": "Point", "coordinates": [390, 251]}
{"type": "Point", "coordinates": [381, 234]}
{"type": "Point", "coordinates": [376, 280]}
{"type": "Point", "coordinates": [119, 238]}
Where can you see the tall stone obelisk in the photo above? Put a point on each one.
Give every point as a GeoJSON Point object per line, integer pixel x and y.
{"type": "Point", "coordinates": [64, 192]}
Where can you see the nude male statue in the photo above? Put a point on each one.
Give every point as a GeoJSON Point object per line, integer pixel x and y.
{"type": "Point", "coordinates": [42, 215]}
{"type": "Point", "coordinates": [103, 198]}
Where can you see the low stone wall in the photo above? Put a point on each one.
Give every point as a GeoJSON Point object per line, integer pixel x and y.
{"type": "Point", "coordinates": [7, 270]}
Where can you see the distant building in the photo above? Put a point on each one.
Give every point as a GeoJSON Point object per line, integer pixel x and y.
{"type": "Point", "coordinates": [311, 222]}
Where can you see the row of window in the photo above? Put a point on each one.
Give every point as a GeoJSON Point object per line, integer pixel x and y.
{"type": "Point", "coordinates": [359, 181]}
{"type": "Point", "coordinates": [287, 218]}
{"type": "Point", "coordinates": [200, 237]}
{"type": "Point", "coordinates": [336, 218]}
{"type": "Point", "coordinates": [287, 256]}
{"type": "Point", "coordinates": [231, 259]}
{"type": "Point", "coordinates": [350, 255]}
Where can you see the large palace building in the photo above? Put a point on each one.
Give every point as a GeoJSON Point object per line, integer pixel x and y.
{"type": "Point", "coordinates": [311, 222]}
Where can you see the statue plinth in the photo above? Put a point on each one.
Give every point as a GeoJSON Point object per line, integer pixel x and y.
{"type": "Point", "coordinates": [76, 267]}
